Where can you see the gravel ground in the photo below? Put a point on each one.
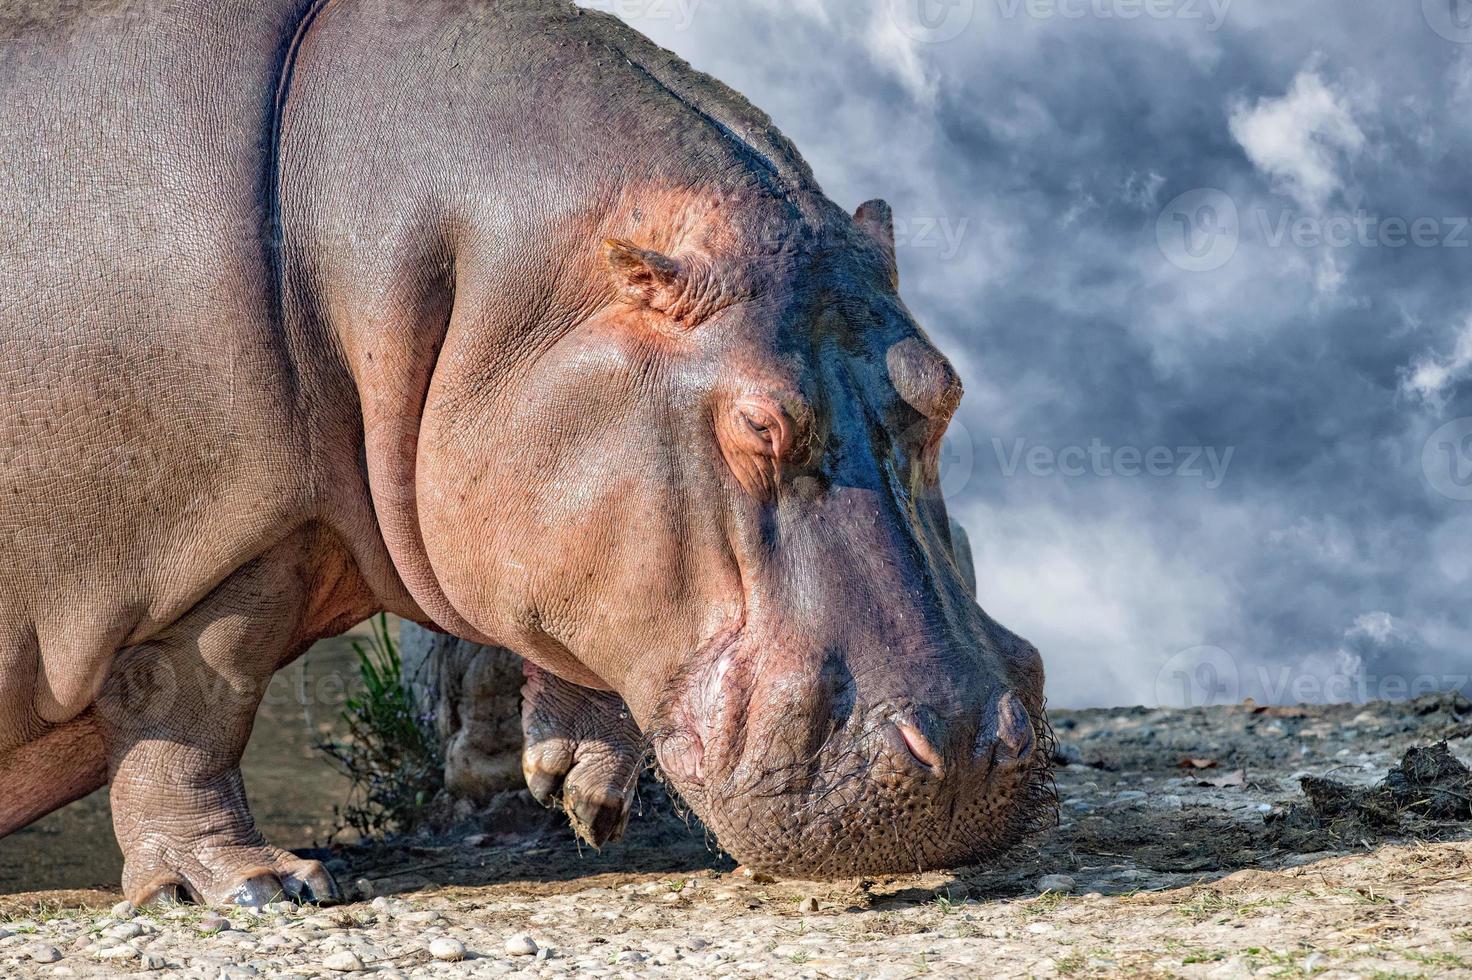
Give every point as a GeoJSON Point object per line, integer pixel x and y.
{"type": "Point", "coordinates": [1171, 859]}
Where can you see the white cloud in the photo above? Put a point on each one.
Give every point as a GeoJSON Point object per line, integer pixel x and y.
{"type": "Point", "coordinates": [1431, 377]}
{"type": "Point", "coordinates": [1300, 139]}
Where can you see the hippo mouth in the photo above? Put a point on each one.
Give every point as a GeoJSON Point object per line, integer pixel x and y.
{"type": "Point", "coordinates": [837, 805]}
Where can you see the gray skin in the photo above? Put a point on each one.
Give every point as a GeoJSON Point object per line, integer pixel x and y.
{"type": "Point", "coordinates": [499, 318]}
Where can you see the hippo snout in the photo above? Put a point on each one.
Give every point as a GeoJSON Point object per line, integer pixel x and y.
{"type": "Point", "coordinates": [889, 787]}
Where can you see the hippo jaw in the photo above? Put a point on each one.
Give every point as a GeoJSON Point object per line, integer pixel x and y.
{"type": "Point", "coordinates": [871, 792]}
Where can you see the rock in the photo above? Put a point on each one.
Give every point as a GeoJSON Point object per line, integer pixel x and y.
{"type": "Point", "coordinates": [809, 904]}
{"type": "Point", "coordinates": [345, 961]}
{"type": "Point", "coordinates": [1131, 796]}
{"type": "Point", "coordinates": [123, 910]}
{"type": "Point", "coordinates": [364, 888]}
{"type": "Point", "coordinates": [521, 945]}
{"type": "Point", "coordinates": [1314, 963]}
{"type": "Point", "coordinates": [630, 956]}
{"type": "Point", "coordinates": [152, 961]}
{"type": "Point", "coordinates": [45, 954]}
{"type": "Point", "coordinates": [124, 931]}
{"type": "Point", "coordinates": [1062, 884]}
{"type": "Point", "coordinates": [212, 924]}
{"type": "Point", "coordinates": [116, 953]}
{"type": "Point", "coordinates": [449, 950]}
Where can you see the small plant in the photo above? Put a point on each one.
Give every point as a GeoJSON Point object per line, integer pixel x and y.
{"type": "Point", "coordinates": [1073, 964]}
{"type": "Point", "coordinates": [391, 751]}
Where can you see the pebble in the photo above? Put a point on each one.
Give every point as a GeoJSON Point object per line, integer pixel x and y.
{"type": "Point", "coordinates": [447, 949]}
{"type": "Point", "coordinates": [124, 931]}
{"type": "Point", "coordinates": [213, 923]}
{"type": "Point", "coordinates": [364, 888]}
{"type": "Point", "coordinates": [45, 954]}
{"type": "Point", "coordinates": [1131, 796]}
{"type": "Point", "coordinates": [152, 961]}
{"type": "Point", "coordinates": [1314, 962]}
{"type": "Point", "coordinates": [1056, 883]}
{"type": "Point", "coordinates": [808, 904]}
{"type": "Point", "coordinates": [345, 961]}
{"type": "Point", "coordinates": [123, 910]}
{"type": "Point", "coordinates": [117, 953]}
{"type": "Point", "coordinates": [521, 945]}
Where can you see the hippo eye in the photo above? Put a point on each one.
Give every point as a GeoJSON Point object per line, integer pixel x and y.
{"type": "Point", "coordinates": [760, 425]}
{"type": "Point", "coordinates": [764, 429]}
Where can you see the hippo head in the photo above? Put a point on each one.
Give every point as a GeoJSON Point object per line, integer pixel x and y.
{"type": "Point", "coordinates": [718, 495]}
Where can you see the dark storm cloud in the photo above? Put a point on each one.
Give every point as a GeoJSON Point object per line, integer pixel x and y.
{"type": "Point", "coordinates": [1302, 315]}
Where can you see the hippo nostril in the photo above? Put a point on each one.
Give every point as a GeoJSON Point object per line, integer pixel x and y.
{"type": "Point", "coordinates": [918, 746]}
{"type": "Point", "coordinates": [1006, 735]}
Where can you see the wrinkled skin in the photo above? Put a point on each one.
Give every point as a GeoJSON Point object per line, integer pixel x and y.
{"type": "Point", "coordinates": [496, 317]}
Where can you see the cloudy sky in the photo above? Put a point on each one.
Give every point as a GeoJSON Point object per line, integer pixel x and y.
{"type": "Point", "coordinates": [1206, 267]}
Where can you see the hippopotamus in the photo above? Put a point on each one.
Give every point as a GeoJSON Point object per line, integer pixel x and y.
{"type": "Point", "coordinates": [498, 318]}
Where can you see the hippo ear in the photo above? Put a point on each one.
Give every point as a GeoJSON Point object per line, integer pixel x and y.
{"type": "Point", "coordinates": [877, 220]}
{"type": "Point", "coordinates": [644, 277]}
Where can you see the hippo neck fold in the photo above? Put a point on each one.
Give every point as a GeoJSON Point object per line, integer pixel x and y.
{"type": "Point", "coordinates": [440, 257]}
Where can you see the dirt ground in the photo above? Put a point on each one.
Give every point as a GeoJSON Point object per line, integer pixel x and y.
{"type": "Point", "coordinates": [1186, 847]}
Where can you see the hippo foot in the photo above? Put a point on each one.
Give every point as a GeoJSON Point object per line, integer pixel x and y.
{"type": "Point", "coordinates": [249, 877]}
{"type": "Point", "coordinates": [582, 751]}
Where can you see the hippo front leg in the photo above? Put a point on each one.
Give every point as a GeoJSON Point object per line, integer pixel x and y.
{"type": "Point", "coordinates": [175, 714]}
{"type": "Point", "coordinates": [582, 748]}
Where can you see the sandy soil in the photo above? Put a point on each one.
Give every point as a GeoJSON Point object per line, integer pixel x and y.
{"type": "Point", "coordinates": [1211, 868]}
